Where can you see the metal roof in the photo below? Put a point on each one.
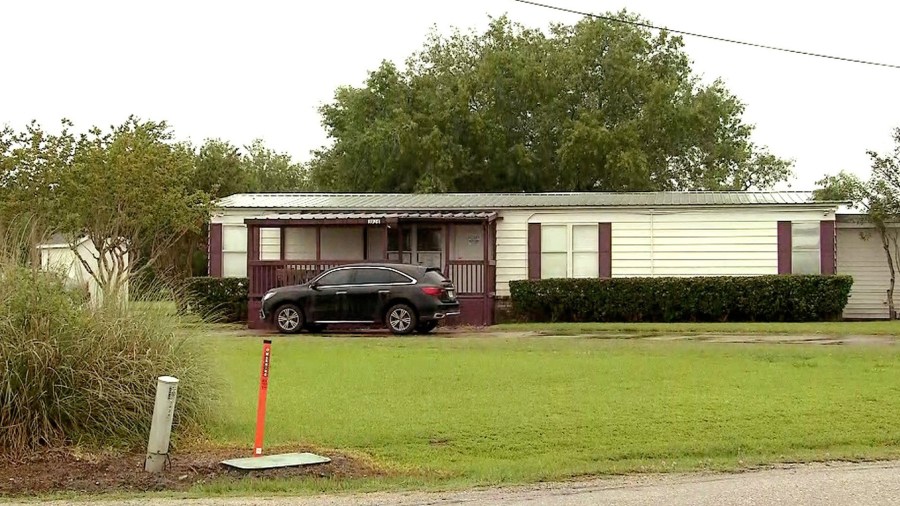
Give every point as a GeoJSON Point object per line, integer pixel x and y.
{"type": "Point", "coordinates": [473, 201]}
{"type": "Point", "coordinates": [366, 216]}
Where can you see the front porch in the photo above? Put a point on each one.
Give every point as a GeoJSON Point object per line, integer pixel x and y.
{"type": "Point", "coordinates": [287, 249]}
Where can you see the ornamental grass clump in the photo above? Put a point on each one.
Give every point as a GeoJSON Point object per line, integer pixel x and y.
{"type": "Point", "coordinates": [76, 372]}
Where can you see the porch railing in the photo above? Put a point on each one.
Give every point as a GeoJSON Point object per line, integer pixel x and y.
{"type": "Point", "coordinates": [468, 276]}
{"type": "Point", "coordinates": [268, 274]}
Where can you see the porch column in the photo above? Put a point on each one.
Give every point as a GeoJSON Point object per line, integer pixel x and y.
{"type": "Point", "coordinates": [384, 253]}
{"type": "Point", "coordinates": [448, 232]}
{"type": "Point", "coordinates": [318, 243]}
{"type": "Point", "coordinates": [400, 243]}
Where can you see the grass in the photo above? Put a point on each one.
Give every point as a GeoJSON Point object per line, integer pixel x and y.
{"type": "Point", "coordinates": [464, 411]}
{"type": "Point", "coordinates": [797, 328]}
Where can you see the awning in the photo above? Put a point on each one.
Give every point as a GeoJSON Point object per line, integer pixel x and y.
{"type": "Point", "coordinates": [282, 219]}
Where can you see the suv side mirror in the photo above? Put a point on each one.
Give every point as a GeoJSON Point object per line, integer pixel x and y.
{"type": "Point", "coordinates": [314, 286]}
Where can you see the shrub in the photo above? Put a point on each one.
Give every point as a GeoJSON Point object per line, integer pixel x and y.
{"type": "Point", "coordinates": [72, 373]}
{"type": "Point", "coordinates": [713, 299]}
{"type": "Point", "coordinates": [217, 299]}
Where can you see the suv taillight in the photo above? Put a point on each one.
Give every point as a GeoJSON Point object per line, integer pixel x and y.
{"type": "Point", "coordinates": [432, 290]}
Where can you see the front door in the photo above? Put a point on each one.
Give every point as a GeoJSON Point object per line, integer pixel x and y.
{"type": "Point", "coordinates": [329, 299]}
{"type": "Point", "coordinates": [419, 244]}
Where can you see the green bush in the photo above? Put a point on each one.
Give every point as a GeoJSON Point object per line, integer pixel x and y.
{"type": "Point", "coordinates": [72, 373]}
{"type": "Point", "coordinates": [700, 299]}
{"type": "Point", "coordinates": [217, 299]}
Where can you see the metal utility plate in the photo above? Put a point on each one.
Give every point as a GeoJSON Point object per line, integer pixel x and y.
{"type": "Point", "coordinates": [273, 461]}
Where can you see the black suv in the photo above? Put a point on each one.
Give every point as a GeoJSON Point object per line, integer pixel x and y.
{"type": "Point", "coordinates": [405, 297]}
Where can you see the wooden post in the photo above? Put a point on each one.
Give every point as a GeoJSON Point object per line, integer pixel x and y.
{"type": "Point", "coordinates": [400, 242]}
{"type": "Point", "coordinates": [448, 232]}
{"type": "Point", "coordinates": [318, 243]}
{"type": "Point", "coordinates": [484, 273]}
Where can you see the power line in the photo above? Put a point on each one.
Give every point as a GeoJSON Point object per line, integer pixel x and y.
{"type": "Point", "coordinates": [710, 37]}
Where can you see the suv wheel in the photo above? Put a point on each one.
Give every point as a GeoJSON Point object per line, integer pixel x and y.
{"type": "Point", "coordinates": [401, 319]}
{"type": "Point", "coordinates": [289, 319]}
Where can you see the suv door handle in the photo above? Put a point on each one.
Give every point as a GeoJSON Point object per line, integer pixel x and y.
{"type": "Point", "coordinates": [343, 292]}
{"type": "Point", "coordinates": [384, 291]}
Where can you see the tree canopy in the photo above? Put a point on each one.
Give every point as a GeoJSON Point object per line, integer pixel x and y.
{"type": "Point", "coordinates": [587, 107]}
{"type": "Point", "coordinates": [879, 198]}
{"type": "Point", "coordinates": [133, 189]}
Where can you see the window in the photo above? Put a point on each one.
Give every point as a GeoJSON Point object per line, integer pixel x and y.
{"type": "Point", "coordinates": [585, 247]}
{"type": "Point", "coordinates": [234, 251]}
{"type": "Point", "coordinates": [392, 239]}
{"type": "Point", "coordinates": [270, 244]}
{"type": "Point", "coordinates": [805, 247]}
{"type": "Point", "coordinates": [570, 251]}
{"type": "Point", "coordinates": [434, 277]}
{"type": "Point", "coordinates": [428, 238]}
{"type": "Point", "coordinates": [554, 255]}
{"type": "Point", "coordinates": [338, 277]}
{"type": "Point", "coordinates": [369, 276]}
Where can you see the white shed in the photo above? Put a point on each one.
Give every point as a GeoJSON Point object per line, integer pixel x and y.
{"type": "Point", "coordinates": [57, 255]}
{"type": "Point", "coordinates": [860, 254]}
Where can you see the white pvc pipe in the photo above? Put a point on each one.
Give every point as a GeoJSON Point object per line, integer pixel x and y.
{"type": "Point", "coordinates": [161, 424]}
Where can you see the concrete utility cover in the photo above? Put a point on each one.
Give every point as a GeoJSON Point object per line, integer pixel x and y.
{"type": "Point", "coordinates": [273, 461]}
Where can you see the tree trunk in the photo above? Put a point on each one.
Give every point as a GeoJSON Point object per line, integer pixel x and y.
{"type": "Point", "coordinates": [885, 243]}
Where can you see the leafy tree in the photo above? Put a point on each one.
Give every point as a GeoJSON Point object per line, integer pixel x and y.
{"type": "Point", "coordinates": [591, 106]}
{"type": "Point", "coordinates": [220, 169]}
{"type": "Point", "coordinates": [127, 190]}
{"type": "Point", "coordinates": [269, 171]}
{"type": "Point", "coordinates": [30, 164]}
{"type": "Point", "coordinates": [879, 197]}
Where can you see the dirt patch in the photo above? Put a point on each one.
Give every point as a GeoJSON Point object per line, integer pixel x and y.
{"type": "Point", "coordinates": [71, 471]}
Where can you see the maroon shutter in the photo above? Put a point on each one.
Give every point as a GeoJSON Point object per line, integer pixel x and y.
{"type": "Point", "coordinates": [826, 246]}
{"type": "Point", "coordinates": [605, 250]}
{"type": "Point", "coordinates": [215, 250]}
{"type": "Point", "coordinates": [784, 247]}
{"type": "Point", "coordinates": [534, 251]}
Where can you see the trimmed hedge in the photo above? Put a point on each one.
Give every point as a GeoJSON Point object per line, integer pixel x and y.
{"type": "Point", "coordinates": [217, 299]}
{"type": "Point", "coordinates": [699, 299]}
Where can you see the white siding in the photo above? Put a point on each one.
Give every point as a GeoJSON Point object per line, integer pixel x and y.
{"type": "Point", "coordinates": [864, 259]}
{"type": "Point", "coordinates": [671, 242]}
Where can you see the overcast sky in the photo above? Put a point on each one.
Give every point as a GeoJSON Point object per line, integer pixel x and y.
{"type": "Point", "coordinates": [242, 70]}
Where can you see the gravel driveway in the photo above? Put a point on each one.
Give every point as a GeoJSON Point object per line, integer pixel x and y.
{"type": "Point", "coordinates": [872, 484]}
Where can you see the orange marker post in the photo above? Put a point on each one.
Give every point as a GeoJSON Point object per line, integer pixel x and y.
{"type": "Point", "coordinates": [261, 405]}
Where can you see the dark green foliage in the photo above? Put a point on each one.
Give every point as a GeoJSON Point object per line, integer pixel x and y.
{"type": "Point", "coordinates": [598, 105]}
{"type": "Point", "coordinates": [217, 299]}
{"type": "Point", "coordinates": [71, 373]}
{"type": "Point", "coordinates": [700, 299]}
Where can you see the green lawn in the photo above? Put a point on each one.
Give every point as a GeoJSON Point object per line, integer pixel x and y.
{"type": "Point", "coordinates": [464, 411]}
{"type": "Point", "coordinates": [807, 328]}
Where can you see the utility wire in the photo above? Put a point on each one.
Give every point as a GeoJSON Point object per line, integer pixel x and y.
{"type": "Point", "coordinates": [710, 37]}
